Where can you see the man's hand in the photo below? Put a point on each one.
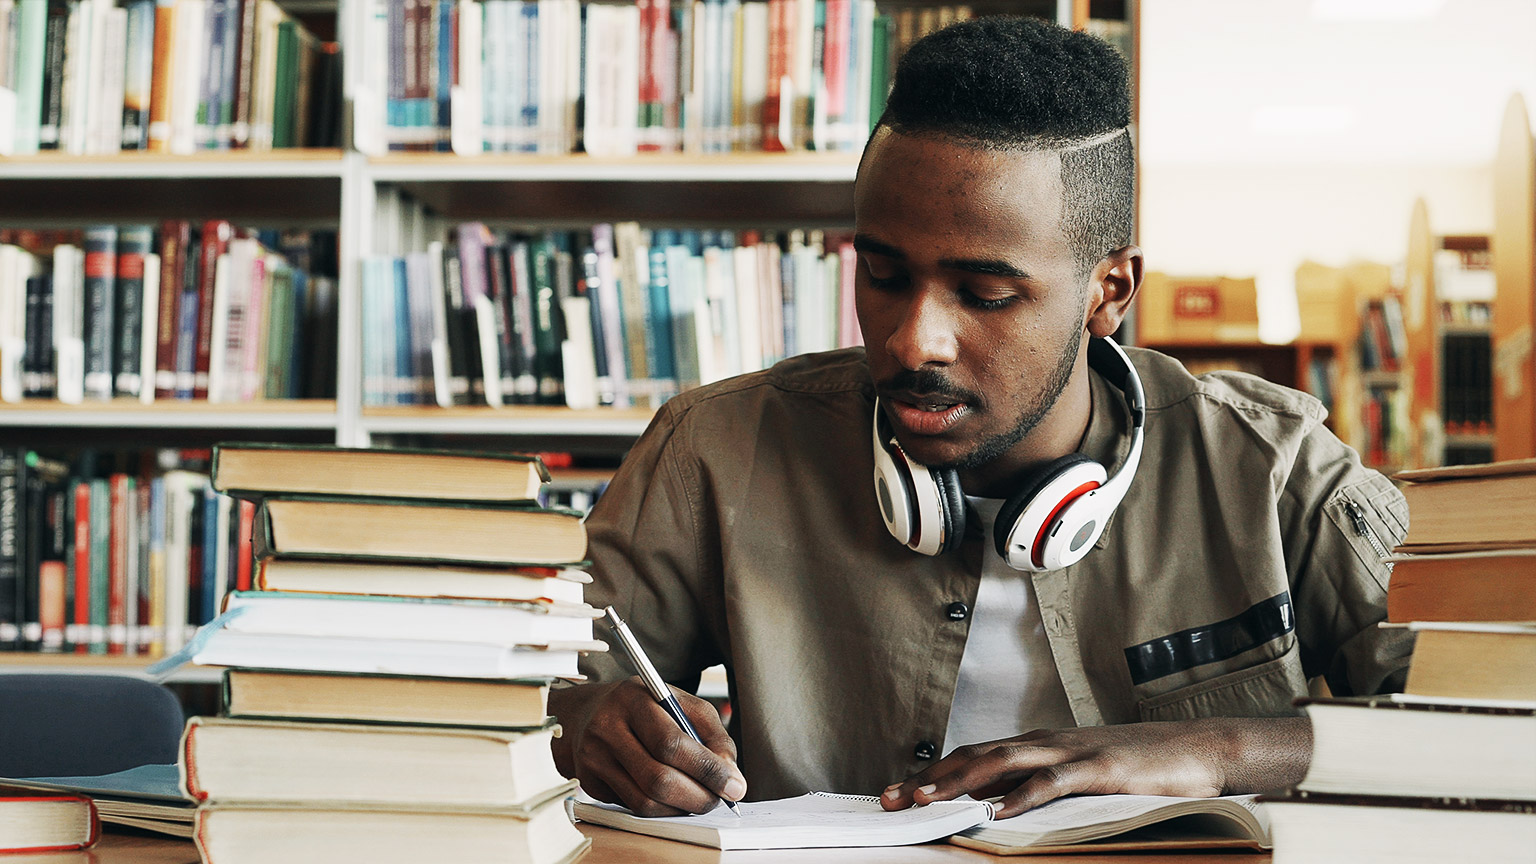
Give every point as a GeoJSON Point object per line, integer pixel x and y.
{"type": "Point", "coordinates": [1190, 758]}
{"type": "Point", "coordinates": [625, 750]}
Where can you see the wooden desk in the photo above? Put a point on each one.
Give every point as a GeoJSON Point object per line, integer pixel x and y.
{"type": "Point", "coordinates": [617, 847]}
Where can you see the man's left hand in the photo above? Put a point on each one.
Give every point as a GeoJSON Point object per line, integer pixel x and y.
{"type": "Point", "coordinates": [1189, 758]}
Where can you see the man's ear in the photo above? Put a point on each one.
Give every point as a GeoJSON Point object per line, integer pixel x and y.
{"type": "Point", "coordinates": [1112, 287]}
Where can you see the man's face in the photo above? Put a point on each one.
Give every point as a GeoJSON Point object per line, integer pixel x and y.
{"type": "Point", "coordinates": [971, 304]}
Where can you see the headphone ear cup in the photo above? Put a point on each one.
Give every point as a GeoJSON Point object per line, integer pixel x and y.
{"type": "Point", "coordinates": [952, 506]}
{"type": "Point", "coordinates": [1013, 509]}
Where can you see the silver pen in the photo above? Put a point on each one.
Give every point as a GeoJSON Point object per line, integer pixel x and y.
{"type": "Point", "coordinates": [630, 647]}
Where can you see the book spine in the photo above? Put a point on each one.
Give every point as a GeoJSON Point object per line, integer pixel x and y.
{"type": "Point", "coordinates": [100, 287]}
{"type": "Point", "coordinates": [162, 80]}
{"type": "Point", "coordinates": [445, 51]}
{"type": "Point", "coordinates": [138, 78]}
{"type": "Point", "coordinates": [186, 324]}
{"type": "Point", "coordinates": [28, 47]}
{"type": "Point", "coordinates": [175, 237]}
{"type": "Point", "coordinates": [245, 64]}
{"type": "Point", "coordinates": [546, 324]}
{"type": "Point", "coordinates": [135, 242]}
{"type": "Point", "coordinates": [520, 297]}
{"type": "Point", "coordinates": [52, 98]}
{"type": "Point", "coordinates": [12, 468]}
{"type": "Point", "coordinates": [38, 379]}
{"type": "Point", "coordinates": [120, 491]}
{"type": "Point", "coordinates": [100, 517]}
{"type": "Point", "coordinates": [215, 242]}
{"type": "Point", "coordinates": [205, 136]}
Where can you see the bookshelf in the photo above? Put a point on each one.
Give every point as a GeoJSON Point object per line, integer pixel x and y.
{"type": "Point", "coordinates": [340, 189]}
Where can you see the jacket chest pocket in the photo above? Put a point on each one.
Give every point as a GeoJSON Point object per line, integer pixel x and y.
{"type": "Point", "coordinates": [1264, 690]}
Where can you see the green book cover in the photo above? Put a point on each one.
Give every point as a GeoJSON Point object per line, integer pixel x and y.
{"type": "Point", "coordinates": [287, 83]}
{"type": "Point", "coordinates": [101, 551]}
{"type": "Point", "coordinates": [880, 77]}
{"type": "Point", "coordinates": [279, 347]}
{"type": "Point", "coordinates": [28, 41]}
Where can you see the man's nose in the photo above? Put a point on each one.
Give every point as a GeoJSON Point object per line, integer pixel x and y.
{"type": "Point", "coordinates": [926, 333]}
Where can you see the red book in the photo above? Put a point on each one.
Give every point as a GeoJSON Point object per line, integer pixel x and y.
{"type": "Point", "coordinates": [781, 34]}
{"type": "Point", "coordinates": [117, 565]}
{"type": "Point", "coordinates": [51, 576]}
{"type": "Point", "coordinates": [175, 236]}
{"type": "Point", "coordinates": [834, 62]}
{"type": "Point", "coordinates": [37, 820]}
{"type": "Point", "coordinates": [82, 562]}
{"type": "Point", "coordinates": [216, 237]}
{"type": "Point", "coordinates": [244, 553]}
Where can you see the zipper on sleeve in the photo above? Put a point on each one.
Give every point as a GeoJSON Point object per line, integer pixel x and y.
{"type": "Point", "coordinates": [1363, 528]}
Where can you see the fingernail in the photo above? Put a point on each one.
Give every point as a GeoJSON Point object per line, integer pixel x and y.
{"type": "Point", "coordinates": [735, 788]}
{"type": "Point", "coordinates": [891, 792]}
{"type": "Point", "coordinates": [929, 789]}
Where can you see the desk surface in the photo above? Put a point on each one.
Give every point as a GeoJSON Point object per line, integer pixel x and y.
{"type": "Point", "coordinates": [618, 847]}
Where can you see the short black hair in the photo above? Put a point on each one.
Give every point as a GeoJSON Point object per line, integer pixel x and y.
{"type": "Point", "coordinates": [1026, 84]}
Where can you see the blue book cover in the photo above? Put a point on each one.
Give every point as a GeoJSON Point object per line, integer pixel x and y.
{"type": "Point", "coordinates": [402, 379]}
{"type": "Point", "coordinates": [659, 347]}
{"type": "Point", "coordinates": [208, 603]}
{"type": "Point", "coordinates": [99, 307]}
{"type": "Point", "coordinates": [528, 136]}
{"type": "Point", "coordinates": [447, 15]}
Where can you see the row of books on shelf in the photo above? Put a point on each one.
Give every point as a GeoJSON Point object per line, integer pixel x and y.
{"type": "Point", "coordinates": [509, 75]}
{"type": "Point", "coordinates": [1466, 382]}
{"type": "Point", "coordinates": [182, 312]}
{"type": "Point", "coordinates": [1467, 313]}
{"type": "Point", "coordinates": [613, 316]}
{"type": "Point", "coordinates": [127, 553]}
{"type": "Point", "coordinates": [394, 709]}
{"type": "Point", "coordinates": [1383, 339]}
{"type": "Point", "coordinates": [1385, 425]}
{"type": "Point", "coordinates": [96, 77]}
{"type": "Point", "coordinates": [1447, 769]}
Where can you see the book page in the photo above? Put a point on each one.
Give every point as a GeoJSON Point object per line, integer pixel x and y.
{"type": "Point", "coordinates": [1081, 818]}
{"type": "Point", "coordinates": [812, 820]}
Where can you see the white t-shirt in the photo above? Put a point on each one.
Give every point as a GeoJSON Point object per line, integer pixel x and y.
{"type": "Point", "coordinates": [1008, 680]}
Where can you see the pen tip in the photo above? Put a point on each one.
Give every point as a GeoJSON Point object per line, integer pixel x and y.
{"type": "Point", "coordinates": [734, 808]}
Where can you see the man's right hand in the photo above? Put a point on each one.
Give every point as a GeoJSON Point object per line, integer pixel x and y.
{"type": "Point", "coordinates": [625, 750]}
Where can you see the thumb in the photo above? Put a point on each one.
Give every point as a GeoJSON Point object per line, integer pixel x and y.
{"type": "Point", "coordinates": [712, 734]}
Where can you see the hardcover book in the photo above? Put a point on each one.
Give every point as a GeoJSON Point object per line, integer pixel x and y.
{"type": "Point", "coordinates": [38, 821]}
{"type": "Point", "coordinates": [251, 469]}
{"type": "Point", "coordinates": [390, 699]}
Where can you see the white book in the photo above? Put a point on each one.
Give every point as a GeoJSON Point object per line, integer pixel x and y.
{"type": "Point", "coordinates": [15, 266]}
{"type": "Point", "coordinates": [75, 103]}
{"type": "Point", "coordinates": [183, 491]}
{"type": "Point", "coordinates": [490, 353]}
{"type": "Point", "coordinates": [368, 89]}
{"type": "Point", "coordinates": [442, 389]}
{"type": "Point", "coordinates": [150, 320]}
{"type": "Point", "coordinates": [754, 72]}
{"type": "Point", "coordinates": [748, 308]}
{"type": "Point", "coordinates": [107, 111]}
{"type": "Point", "coordinates": [578, 362]}
{"type": "Point", "coordinates": [467, 132]}
{"type": "Point", "coordinates": [811, 821]}
{"type": "Point", "coordinates": [411, 619]}
{"type": "Point", "coordinates": [571, 59]}
{"type": "Point", "coordinates": [550, 75]}
{"type": "Point", "coordinates": [383, 656]}
{"type": "Point", "coordinates": [218, 350]}
{"type": "Point", "coordinates": [515, 72]}
{"type": "Point", "coordinates": [69, 323]}
{"type": "Point", "coordinates": [186, 86]}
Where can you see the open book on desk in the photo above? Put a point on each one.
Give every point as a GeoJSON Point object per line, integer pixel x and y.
{"type": "Point", "coordinates": [813, 820]}
{"type": "Point", "coordinates": [1113, 823]}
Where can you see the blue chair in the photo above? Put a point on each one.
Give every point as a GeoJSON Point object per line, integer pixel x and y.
{"type": "Point", "coordinates": [62, 725]}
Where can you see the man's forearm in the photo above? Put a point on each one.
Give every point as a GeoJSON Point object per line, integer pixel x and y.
{"type": "Point", "coordinates": [1262, 754]}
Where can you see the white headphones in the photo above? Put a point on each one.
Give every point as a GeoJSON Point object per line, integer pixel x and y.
{"type": "Point", "coordinates": [1049, 523]}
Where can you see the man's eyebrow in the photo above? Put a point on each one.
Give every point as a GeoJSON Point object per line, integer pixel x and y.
{"type": "Point", "coordinates": [866, 243]}
{"type": "Point", "coordinates": [983, 266]}
{"type": "Point", "coordinates": [992, 267]}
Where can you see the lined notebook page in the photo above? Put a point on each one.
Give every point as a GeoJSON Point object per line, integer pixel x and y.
{"type": "Point", "coordinates": [814, 820]}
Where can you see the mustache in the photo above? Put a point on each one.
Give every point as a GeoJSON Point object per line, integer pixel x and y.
{"type": "Point", "coordinates": [926, 381]}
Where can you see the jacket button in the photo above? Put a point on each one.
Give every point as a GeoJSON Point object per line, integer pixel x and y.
{"type": "Point", "coordinates": [956, 612]}
{"type": "Point", "coordinates": [925, 750]}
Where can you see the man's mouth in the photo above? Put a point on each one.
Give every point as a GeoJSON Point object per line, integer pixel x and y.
{"type": "Point", "coordinates": [927, 415]}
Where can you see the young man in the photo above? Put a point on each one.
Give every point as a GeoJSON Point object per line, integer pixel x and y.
{"type": "Point", "coordinates": [992, 215]}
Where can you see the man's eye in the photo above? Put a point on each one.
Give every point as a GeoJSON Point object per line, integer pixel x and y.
{"type": "Point", "coordinates": [882, 276]}
{"type": "Point", "coordinates": [984, 303]}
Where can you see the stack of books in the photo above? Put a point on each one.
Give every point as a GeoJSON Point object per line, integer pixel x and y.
{"type": "Point", "coordinates": [1447, 770]}
{"type": "Point", "coordinates": [386, 687]}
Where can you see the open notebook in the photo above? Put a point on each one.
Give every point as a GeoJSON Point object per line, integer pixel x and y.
{"type": "Point", "coordinates": [813, 820]}
{"type": "Point", "coordinates": [1125, 822]}
{"type": "Point", "coordinates": [147, 797]}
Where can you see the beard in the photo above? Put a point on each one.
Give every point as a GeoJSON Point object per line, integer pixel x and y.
{"type": "Point", "coordinates": [1001, 443]}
